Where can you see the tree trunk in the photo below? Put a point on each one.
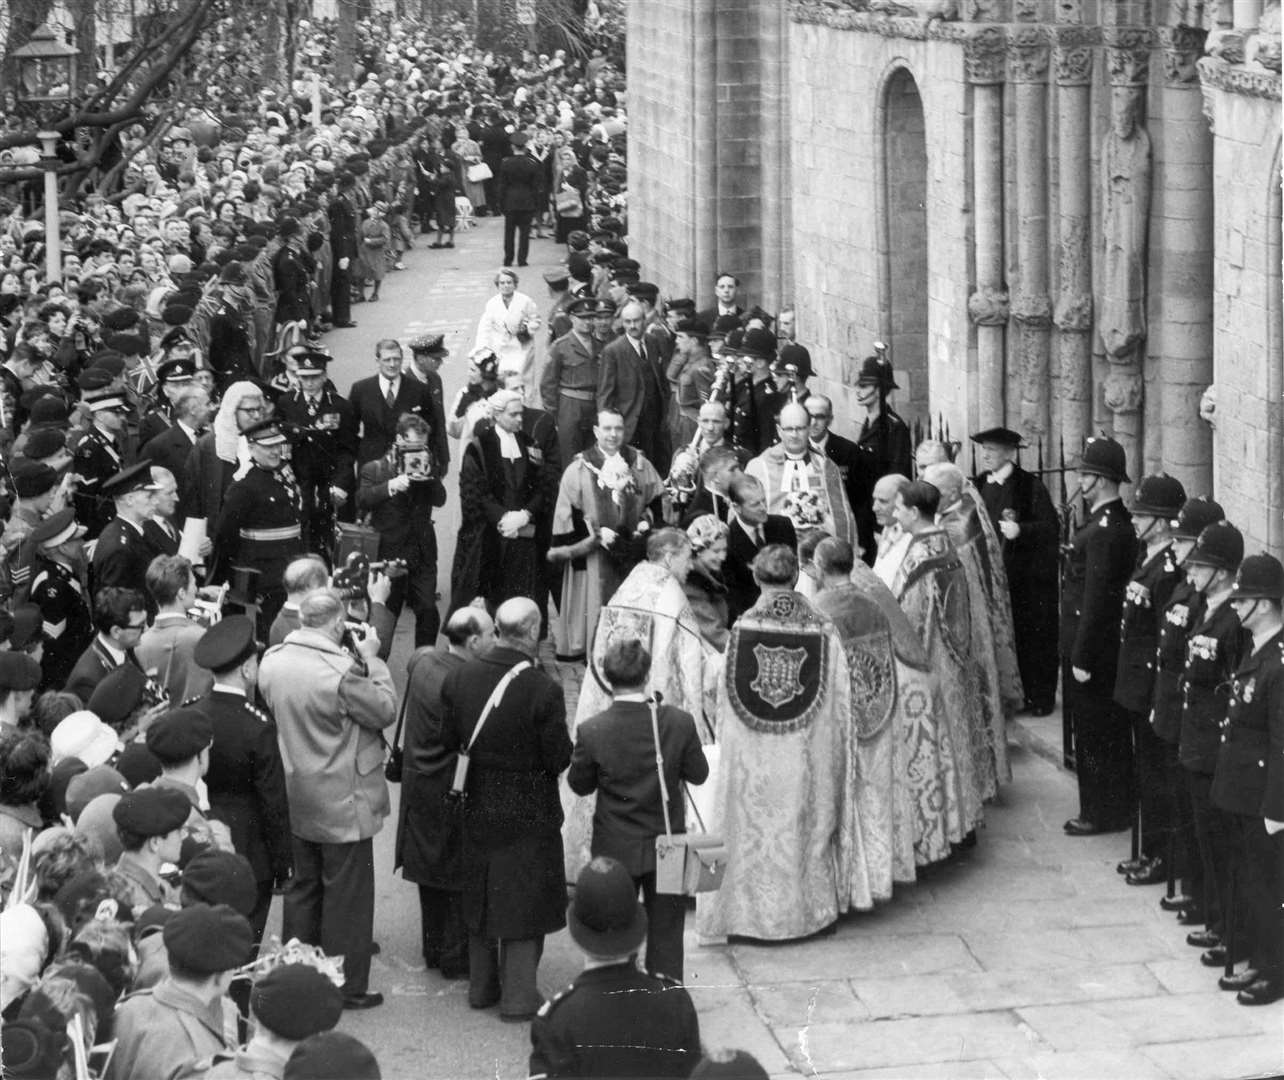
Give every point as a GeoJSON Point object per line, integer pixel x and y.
{"type": "Point", "coordinates": [272, 42]}
{"type": "Point", "coordinates": [345, 45]}
{"type": "Point", "coordinates": [85, 23]}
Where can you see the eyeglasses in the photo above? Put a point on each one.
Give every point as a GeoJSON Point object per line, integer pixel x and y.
{"type": "Point", "coordinates": [820, 415]}
{"type": "Point", "coordinates": [139, 627]}
{"type": "Point", "coordinates": [250, 408]}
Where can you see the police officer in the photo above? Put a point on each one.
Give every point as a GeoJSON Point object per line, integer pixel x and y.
{"type": "Point", "coordinates": [1156, 503]}
{"type": "Point", "coordinates": [97, 460]}
{"type": "Point", "coordinates": [1183, 612]}
{"type": "Point", "coordinates": [324, 450]}
{"type": "Point", "coordinates": [613, 1020]}
{"type": "Point", "coordinates": [57, 589]}
{"type": "Point", "coordinates": [260, 524]}
{"type": "Point", "coordinates": [1249, 763]}
{"type": "Point", "coordinates": [171, 378]}
{"type": "Point", "coordinates": [1099, 562]}
{"type": "Point", "coordinates": [1212, 654]}
{"type": "Point", "coordinates": [883, 442]}
{"type": "Point", "coordinates": [245, 780]}
{"type": "Point", "coordinates": [123, 552]}
{"type": "Point", "coordinates": [568, 386]}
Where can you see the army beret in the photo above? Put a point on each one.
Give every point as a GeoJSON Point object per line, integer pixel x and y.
{"type": "Point", "coordinates": [118, 695]}
{"type": "Point", "coordinates": [579, 267]}
{"type": "Point", "coordinates": [647, 290]}
{"type": "Point", "coordinates": [577, 240]}
{"type": "Point", "coordinates": [120, 319]}
{"type": "Point", "coordinates": [682, 303]}
{"type": "Point", "coordinates": [295, 1001]}
{"type": "Point", "coordinates": [288, 226]}
{"type": "Point", "coordinates": [111, 362]}
{"type": "Point", "coordinates": [31, 479]}
{"type": "Point", "coordinates": [136, 477]}
{"type": "Point", "coordinates": [174, 371]}
{"type": "Point", "coordinates": [179, 735]}
{"type": "Point", "coordinates": [233, 273]}
{"type": "Point", "coordinates": [222, 877]}
{"type": "Point", "coordinates": [624, 277]}
{"type": "Point", "coordinates": [127, 344]}
{"type": "Point", "coordinates": [189, 295]}
{"type": "Point", "coordinates": [137, 764]}
{"type": "Point", "coordinates": [18, 671]}
{"type": "Point", "coordinates": [48, 409]}
{"type": "Point", "coordinates": [94, 378]}
{"type": "Point", "coordinates": [44, 442]}
{"type": "Point", "coordinates": [151, 811]}
{"type": "Point", "coordinates": [57, 529]}
{"type": "Point", "coordinates": [176, 314]}
{"type": "Point", "coordinates": [225, 644]}
{"type": "Point", "coordinates": [28, 626]}
{"type": "Point", "coordinates": [331, 1055]}
{"type": "Point", "coordinates": [206, 939]}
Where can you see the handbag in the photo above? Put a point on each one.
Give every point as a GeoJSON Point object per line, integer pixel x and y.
{"type": "Point", "coordinates": [460, 781]}
{"type": "Point", "coordinates": [479, 172]}
{"type": "Point", "coordinates": [568, 202]}
{"type": "Point", "coordinates": [685, 863]}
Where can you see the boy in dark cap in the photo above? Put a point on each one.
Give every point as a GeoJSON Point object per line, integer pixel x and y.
{"type": "Point", "coordinates": [161, 1031]}
{"type": "Point", "coordinates": [19, 676]}
{"type": "Point", "coordinates": [181, 740]}
{"type": "Point", "coordinates": [37, 491]}
{"type": "Point", "coordinates": [613, 1020]}
{"type": "Point", "coordinates": [150, 822]}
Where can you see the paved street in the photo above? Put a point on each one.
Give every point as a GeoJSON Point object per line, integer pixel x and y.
{"type": "Point", "coordinates": [1028, 957]}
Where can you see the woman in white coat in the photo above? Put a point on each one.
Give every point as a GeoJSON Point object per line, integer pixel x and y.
{"type": "Point", "coordinates": [508, 326]}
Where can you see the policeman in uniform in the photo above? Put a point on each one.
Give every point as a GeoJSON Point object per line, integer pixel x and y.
{"type": "Point", "coordinates": [1099, 562]}
{"type": "Point", "coordinates": [1249, 777]}
{"type": "Point", "coordinates": [245, 780]}
{"type": "Point", "coordinates": [427, 352]}
{"type": "Point", "coordinates": [56, 588]}
{"type": "Point", "coordinates": [324, 450]}
{"type": "Point", "coordinates": [260, 526]}
{"type": "Point", "coordinates": [123, 552]}
{"type": "Point", "coordinates": [97, 460]}
{"type": "Point", "coordinates": [883, 443]}
{"type": "Point", "coordinates": [613, 1020]}
{"type": "Point", "coordinates": [1156, 504]}
{"type": "Point", "coordinates": [568, 386]}
{"type": "Point", "coordinates": [171, 377]}
{"type": "Point", "coordinates": [1183, 612]}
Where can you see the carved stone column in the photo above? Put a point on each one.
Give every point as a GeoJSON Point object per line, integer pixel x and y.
{"type": "Point", "coordinates": [1125, 194]}
{"type": "Point", "coordinates": [988, 305]}
{"type": "Point", "coordinates": [1073, 314]}
{"type": "Point", "coordinates": [1031, 306]}
{"type": "Point", "coordinates": [1181, 228]}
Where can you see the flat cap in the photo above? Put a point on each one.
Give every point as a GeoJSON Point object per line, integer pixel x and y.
{"type": "Point", "coordinates": [227, 643]}
{"type": "Point", "coordinates": [152, 811]}
{"type": "Point", "coordinates": [18, 671]}
{"type": "Point", "coordinates": [206, 939]}
{"type": "Point", "coordinates": [295, 1001]}
{"type": "Point", "coordinates": [222, 877]}
{"type": "Point", "coordinates": [179, 735]}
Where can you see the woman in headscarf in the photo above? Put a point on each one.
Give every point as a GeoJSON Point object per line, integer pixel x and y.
{"type": "Point", "coordinates": [704, 587]}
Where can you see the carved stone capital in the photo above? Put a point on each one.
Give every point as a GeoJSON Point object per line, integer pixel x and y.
{"type": "Point", "coordinates": [1074, 312]}
{"type": "Point", "coordinates": [988, 307]}
{"type": "Point", "coordinates": [1182, 47]}
{"type": "Point", "coordinates": [1032, 309]}
{"type": "Point", "coordinates": [985, 10]}
{"type": "Point", "coordinates": [1128, 55]}
{"type": "Point", "coordinates": [985, 54]}
{"type": "Point", "coordinates": [1072, 52]}
{"type": "Point", "coordinates": [1025, 10]}
{"type": "Point", "coordinates": [1228, 45]}
{"type": "Point", "coordinates": [1216, 74]}
{"type": "Point", "coordinates": [1123, 391]}
{"type": "Point", "coordinates": [1028, 55]}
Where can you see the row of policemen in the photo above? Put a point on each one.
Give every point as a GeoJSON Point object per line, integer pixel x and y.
{"type": "Point", "coordinates": [1173, 649]}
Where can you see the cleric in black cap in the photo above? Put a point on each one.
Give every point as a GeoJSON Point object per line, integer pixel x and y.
{"type": "Point", "coordinates": [59, 592]}
{"type": "Point", "coordinates": [164, 1031]}
{"type": "Point", "coordinates": [1023, 515]}
{"type": "Point", "coordinates": [171, 378]}
{"type": "Point", "coordinates": [122, 553]}
{"type": "Point", "coordinates": [324, 450]}
{"type": "Point", "coordinates": [245, 780]}
{"type": "Point", "coordinates": [883, 440]}
{"type": "Point", "coordinates": [1100, 559]}
{"type": "Point", "coordinates": [260, 525]}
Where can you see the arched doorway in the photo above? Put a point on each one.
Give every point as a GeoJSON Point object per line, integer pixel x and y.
{"type": "Point", "coordinates": [905, 242]}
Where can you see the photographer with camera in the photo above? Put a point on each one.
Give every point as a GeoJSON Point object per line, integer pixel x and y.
{"type": "Point", "coordinates": [332, 697]}
{"type": "Point", "coordinates": [400, 491]}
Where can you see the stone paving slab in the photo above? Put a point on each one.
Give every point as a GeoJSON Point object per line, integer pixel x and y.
{"type": "Point", "coordinates": [1241, 1058]}
{"type": "Point", "coordinates": [941, 1070]}
{"type": "Point", "coordinates": [1089, 1065]}
{"type": "Point", "coordinates": [841, 957]}
{"type": "Point", "coordinates": [1139, 1022]}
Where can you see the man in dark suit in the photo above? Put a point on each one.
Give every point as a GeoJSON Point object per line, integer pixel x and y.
{"type": "Point", "coordinates": [751, 529]}
{"type": "Point", "coordinates": [123, 552]}
{"type": "Point", "coordinates": [519, 184]}
{"type": "Point", "coordinates": [629, 813]}
{"type": "Point", "coordinates": [171, 448]}
{"type": "Point", "coordinates": [631, 381]}
{"type": "Point", "coordinates": [726, 289]}
{"type": "Point", "coordinates": [120, 617]}
{"type": "Point", "coordinates": [427, 352]}
{"type": "Point", "coordinates": [1101, 558]}
{"type": "Point", "coordinates": [843, 453]}
{"type": "Point", "coordinates": [343, 249]}
{"type": "Point", "coordinates": [245, 780]}
{"type": "Point", "coordinates": [1023, 514]}
{"type": "Point", "coordinates": [381, 399]}
{"type": "Point", "coordinates": [400, 491]}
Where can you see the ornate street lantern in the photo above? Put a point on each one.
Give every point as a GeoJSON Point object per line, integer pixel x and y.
{"type": "Point", "coordinates": [46, 68]}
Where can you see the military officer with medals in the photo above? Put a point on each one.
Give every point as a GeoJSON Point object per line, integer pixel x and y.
{"type": "Point", "coordinates": [260, 525]}
{"type": "Point", "coordinates": [568, 385]}
{"type": "Point", "coordinates": [97, 460]}
{"type": "Point", "coordinates": [1157, 502]}
{"type": "Point", "coordinates": [245, 780]}
{"type": "Point", "coordinates": [324, 450]}
{"type": "Point", "coordinates": [1183, 612]}
{"type": "Point", "coordinates": [172, 377]}
{"type": "Point", "coordinates": [123, 551]}
{"type": "Point", "coordinates": [1249, 777]}
{"type": "Point", "coordinates": [1099, 562]}
{"type": "Point", "coordinates": [56, 588]}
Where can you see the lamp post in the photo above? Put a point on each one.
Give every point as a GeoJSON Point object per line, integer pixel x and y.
{"type": "Point", "coordinates": [46, 79]}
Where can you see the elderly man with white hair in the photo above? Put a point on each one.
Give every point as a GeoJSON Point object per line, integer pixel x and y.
{"type": "Point", "coordinates": [501, 493]}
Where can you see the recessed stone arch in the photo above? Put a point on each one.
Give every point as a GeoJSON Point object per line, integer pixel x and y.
{"type": "Point", "coordinates": [903, 237]}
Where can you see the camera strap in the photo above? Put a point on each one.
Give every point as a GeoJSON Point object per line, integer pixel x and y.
{"type": "Point", "coordinates": [492, 702]}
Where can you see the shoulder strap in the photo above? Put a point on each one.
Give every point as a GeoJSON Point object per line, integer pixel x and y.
{"type": "Point", "coordinates": [496, 696]}
{"type": "Point", "coordinates": [659, 764]}
{"type": "Point", "coordinates": [405, 700]}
